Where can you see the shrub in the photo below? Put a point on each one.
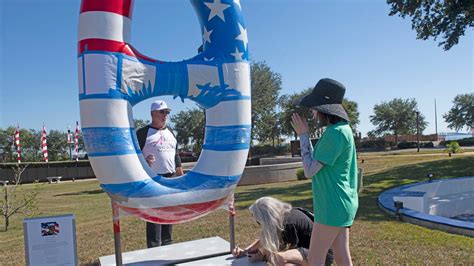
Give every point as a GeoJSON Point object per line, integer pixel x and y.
{"type": "Point", "coordinates": [427, 145]}
{"type": "Point", "coordinates": [378, 143]}
{"type": "Point", "coordinates": [466, 142]}
{"type": "Point", "coordinates": [413, 144]}
{"type": "Point", "coordinates": [300, 174]}
{"type": "Point", "coordinates": [269, 149]}
{"type": "Point", "coordinates": [453, 147]}
{"type": "Point", "coordinates": [461, 142]}
{"type": "Point", "coordinates": [407, 145]}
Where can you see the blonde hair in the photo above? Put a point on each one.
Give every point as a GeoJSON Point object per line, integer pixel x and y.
{"type": "Point", "coordinates": [270, 214]}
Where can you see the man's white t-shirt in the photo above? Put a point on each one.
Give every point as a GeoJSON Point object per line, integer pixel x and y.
{"type": "Point", "coordinates": [161, 143]}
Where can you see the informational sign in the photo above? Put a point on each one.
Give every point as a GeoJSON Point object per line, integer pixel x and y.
{"type": "Point", "coordinates": [50, 240]}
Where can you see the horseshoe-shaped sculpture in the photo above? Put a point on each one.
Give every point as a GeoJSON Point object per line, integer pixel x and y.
{"type": "Point", "coordinates": [113, 77]}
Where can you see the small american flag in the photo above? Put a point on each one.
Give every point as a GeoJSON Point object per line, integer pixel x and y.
{"type": "Point", "coordinates": [49, 229]}
{"type": "Point", "coordinates": [76, 141]}
{"type": "Point", "coordinates": [44, 144]}
{"type": "Point", "coordinates": [17, 143]}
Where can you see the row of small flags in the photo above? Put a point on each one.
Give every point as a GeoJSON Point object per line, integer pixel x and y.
{"type": "Point", "coordinates": [44, 144]}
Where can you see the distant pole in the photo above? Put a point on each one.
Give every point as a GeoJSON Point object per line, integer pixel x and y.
{"type": "Point", "coordinates": [436, 121]}
{"type": "Point", "coordinates": [69, 141]}
{"type": "Point", "coordinates": [418, 131]}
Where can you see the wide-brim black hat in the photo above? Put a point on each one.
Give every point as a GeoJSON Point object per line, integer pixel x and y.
{"type": "Point", "coordinates": [326, 97]}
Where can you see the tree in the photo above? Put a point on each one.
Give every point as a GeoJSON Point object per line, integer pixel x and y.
{"type": "Point", "coordinates": [352, 110]}
{"type": "Point", "coordinates": [31, 148]}
{"type": "Point", "coordinates": [189, 127]}
{"type": "Point", "coordinates": [14, 201]}
{"type": "Point", "coordinates": [398, 117]}
{"type": "Point", "coordinates": [288, 106]}
{"type": "Point", "coordinates": [57, 145]}
{"type": "Point", "coordinates": [267, 127]}
{"type": "Point", "coordinates": [139, 123]}
{"type": "Point", "coordinates": [30, 144]}
{"type": "Point", "coordinates": [6, 141]}
{"type": "Point", "coordinates": [462, 113]}
{"type": "Point", "coordinates": [80, 142]}
{"type": "Point", "coordinates": [436, 17]}
{"type": "Point", "coordinates": [266, 86]}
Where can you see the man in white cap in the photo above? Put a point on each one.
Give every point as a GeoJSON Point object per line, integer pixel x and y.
{"type": "Point", "coordinates": [160, 149]}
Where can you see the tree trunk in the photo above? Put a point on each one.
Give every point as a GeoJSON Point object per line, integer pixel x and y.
{"type": "Point", "coordinates": [7, 222]}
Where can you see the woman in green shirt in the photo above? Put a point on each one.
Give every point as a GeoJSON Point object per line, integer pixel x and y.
{"type": "Point", "coordinates": [332, 165]}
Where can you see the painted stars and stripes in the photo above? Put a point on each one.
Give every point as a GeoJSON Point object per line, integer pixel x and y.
{"type": "Point", "coordinates": [242, 36]}
{"type": "Point", "coordinates": [237, 2]}
{"type": "Point", "coordinates": [113, 77]}
{"type": "Point", "coordinates": [206, 36]}
{"type": "Point", "coordinates": [237, 55]}
{"type": "Point", "coordinates": [217, 9]}
{"type": "Point", "coordinates": [44, 144]}
{"type": "Point", "coordinates": [17, 143]}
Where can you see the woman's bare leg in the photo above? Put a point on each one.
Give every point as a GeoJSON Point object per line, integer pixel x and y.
{"type": "Point", "coordinates": [322, 238]}
{"type": "Point", "coordinates": [342, 254]}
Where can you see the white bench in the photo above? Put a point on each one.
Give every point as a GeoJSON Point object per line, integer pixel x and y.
{"type": "Point", "coordinates": [54, 178]}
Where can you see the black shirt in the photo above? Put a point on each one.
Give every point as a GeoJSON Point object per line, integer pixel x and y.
{"type": "Point", "coordinates": [298, 228]}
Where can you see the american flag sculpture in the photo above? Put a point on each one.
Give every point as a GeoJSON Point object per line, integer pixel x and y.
{"type": "Point", "coordinates": [114, 76]}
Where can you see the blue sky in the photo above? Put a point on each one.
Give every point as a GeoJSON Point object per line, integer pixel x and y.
{"type": "Point", "coordinates": [376, 56]}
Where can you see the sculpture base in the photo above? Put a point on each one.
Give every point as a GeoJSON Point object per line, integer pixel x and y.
{"type": "Point", "coordinates": [208, 251]}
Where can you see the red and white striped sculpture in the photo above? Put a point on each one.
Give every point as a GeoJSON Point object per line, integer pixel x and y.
{"type": "Point", "coordinates": [44, 144]}
{"type": "Point", "coordinates": [17, 143]}
{"type": "Point", "coordinates": [76, 141]}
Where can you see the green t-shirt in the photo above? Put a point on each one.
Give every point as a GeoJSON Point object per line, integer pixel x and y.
{"type": "Point", "coordinates": [335, 198]}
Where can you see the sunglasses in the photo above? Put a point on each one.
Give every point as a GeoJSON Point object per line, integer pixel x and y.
{"type": "Point", "coordinates": [164, 112]}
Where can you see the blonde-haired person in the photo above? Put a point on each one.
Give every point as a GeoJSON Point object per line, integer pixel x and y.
{"type": "Point", "coordinates": [333, 168]}
{"type": "Point", "coordinates": [285, 234]}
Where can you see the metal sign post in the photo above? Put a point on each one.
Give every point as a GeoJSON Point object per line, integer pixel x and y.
{"type": "Point", "coordinates": [117, 240]}
{"type": "Point", "coordinates": [232, 224]}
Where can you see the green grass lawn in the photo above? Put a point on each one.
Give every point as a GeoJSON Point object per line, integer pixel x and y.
{"type": "Point", "coordinates": [376, 238]}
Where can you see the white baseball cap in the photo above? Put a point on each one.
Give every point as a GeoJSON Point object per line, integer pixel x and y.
{"type": "Point", "coordinates": [158, 105]}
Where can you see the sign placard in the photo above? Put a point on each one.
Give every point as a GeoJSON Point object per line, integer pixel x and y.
{"type": "Point", "coordinates": [50, 240]}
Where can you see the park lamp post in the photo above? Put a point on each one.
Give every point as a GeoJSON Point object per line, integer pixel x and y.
{"type": "Point", "coordinates": [398, 206]}
{"type": "Point", "coordinates": [430, 176]}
